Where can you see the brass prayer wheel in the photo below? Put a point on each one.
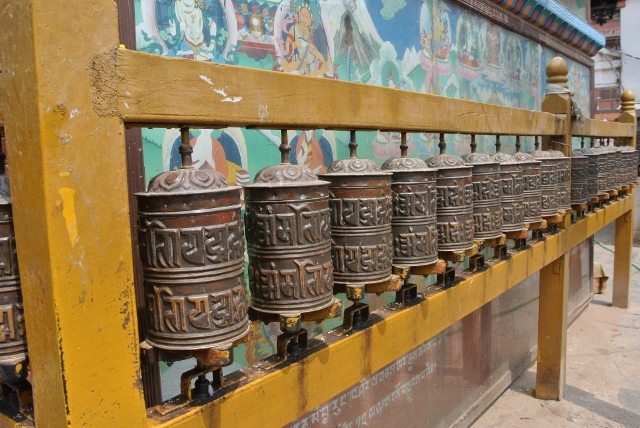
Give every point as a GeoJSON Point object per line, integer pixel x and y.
{"type": "Point", "coordinates": [548, 182]}
{"type": "Point", "coordinates": [413, 219]}
{"type": "Point", "coordinates": [531, 185]}
{"type": "Point", "coordinates": [579, 178]}
{"type": "Point", "coordinates": [512, 194]}
{"type": "Point", "coordinates": [607, 164]}
{"type": "Point", "coordinates": [288, 239]}
{"type": "Point", "coordinates": [361, 207]}
{"type": "Point", "coordinates": [487, 188]}
{"type": "Point", "coordinates": [564, 185]}
{"type": "Point", "coordinates": [602, 168]}
{"type": "Point", "coordinates": [591, 171]}
{"type": "Point", "coordinates": [630, 161]}
{"type": "Point", "coordinates": [454, 188]}
{"type": "Point", "coordinates": [192, 250]}
{"type": "Point", "coordinates": [13, 341]}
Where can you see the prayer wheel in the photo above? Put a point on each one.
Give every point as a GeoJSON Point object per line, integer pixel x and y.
{"type": "Point", "coordinates": [192, 250]}
{"type": "Point", "coordinates": [579, 178]}
{"type": "Point", "coordinates": [630, 160]}
{"type": "Point", "coordinates": [608, 167]}
{"type": "Point", "coordinates": [288, 239]}
{"type": "Point", "coordinates": [564, 185]}
{"type": "Point", "coordinates": [413, 219]}
{"type": "Point", "coordinates": [487, 187]}
{"type": "Point", "coordinates": [548, 181]}
{"type": "Point", "coordinates": [591, 171]}
{"type": "Point", "coordinates": [362, 239]}
{"type": "Point", "coordinates": [602, 168]}
{"type": "Point", "coordinates": [531, 185]}
{"type": "Point", "coordinates": [454, 186]}
{"type": "Point", "coordinates": [13, 341]}
{"type": "Point", "coordinates": [512, 194]}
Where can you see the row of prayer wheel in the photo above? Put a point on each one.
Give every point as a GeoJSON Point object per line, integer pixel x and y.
{"type": "Point", "coordinates": [309, 236]}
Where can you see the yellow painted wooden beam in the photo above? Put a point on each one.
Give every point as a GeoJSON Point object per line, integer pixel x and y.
{"type": "Point", "coordinates": [601, 128]}
{"type": "Point", "coordinates": [197, 93]}
{"type": "Point", "coordinates": [70, 205]}
{"type": "Point", "coordinates": [285, 394]}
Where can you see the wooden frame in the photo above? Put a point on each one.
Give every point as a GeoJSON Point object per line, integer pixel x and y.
{"type": "Point", "coordinates": [72, 215]}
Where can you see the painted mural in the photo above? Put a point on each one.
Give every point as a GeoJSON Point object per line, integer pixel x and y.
{"type": "Point", "coordinates": [430, 46]}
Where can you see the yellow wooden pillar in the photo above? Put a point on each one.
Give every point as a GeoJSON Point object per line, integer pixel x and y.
{"type": "Point", "coordinates": [554, 278]}
{"type": "Point", "coordinates": [69, 188]}
{"type": "Point", "coordinates": [624, 224]}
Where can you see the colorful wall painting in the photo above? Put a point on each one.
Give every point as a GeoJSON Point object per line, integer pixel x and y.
{"type": "Point", "coordinates": [429, 46]}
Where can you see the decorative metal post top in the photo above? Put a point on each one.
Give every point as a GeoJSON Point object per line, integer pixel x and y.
{"type": "Point", "coordinates": [442, 145]}
{"type": "Point", "coordinates": [628, 99]}
{"type": "Point", "coordinates": [187, 178]}
{"type": "Point", "coordinates": [353, 145]}
{"type": "Point", "coordinates": [403, 145]}
{"type": "Point", "coordinates": [557, 72]}
{"type": "Point", "coordinates": [185, 149]}
{"type": "Point", "coordinates": [285, 148]}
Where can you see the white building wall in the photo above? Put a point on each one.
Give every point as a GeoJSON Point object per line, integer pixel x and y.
{"type": "Point", "coordinates": [606, 64]}
{"type": "Point", "coordinates": [630, 47]}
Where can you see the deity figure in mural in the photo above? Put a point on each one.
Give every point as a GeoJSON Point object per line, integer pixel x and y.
{"type": "Point", "coordinates": [468, 44]}
{"type": "Point", "coordinates": [315, 151]}
{"type": "Point", "coordinates": [302, 44]}
{"type": "Point", "coordinates": [492, 57]}
{"type": "Point", "coordinates": [514, 60]}
{"type": "Point", "coordinates": [387, 144]}
{"type": "Point", "coordinates": [195, 29]}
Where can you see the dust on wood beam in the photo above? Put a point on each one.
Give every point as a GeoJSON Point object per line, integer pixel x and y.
{"type": "Point", "coordinates": [151, 90]}
{"type": "Point", "coordinates": [601, 128]}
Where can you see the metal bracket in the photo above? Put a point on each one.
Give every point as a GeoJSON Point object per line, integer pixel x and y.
{"type": "Point", "coordinates": [476, 264]}
{"type": "Point", "coordinates": [500, 252]}
{"type": "Point", "coordinates": [448, 278]}
{"type": "Point", "coordinates": [408, 295]}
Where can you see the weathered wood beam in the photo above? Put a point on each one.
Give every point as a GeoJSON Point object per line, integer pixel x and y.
{"type": "Point", "coordinates": [601, 128]}
{"type": "Point", "coordinates": [150, 90]}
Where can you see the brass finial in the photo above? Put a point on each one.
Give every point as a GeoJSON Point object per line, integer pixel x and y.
{"type": "Point", "coordinates": [474, 145]}
{"type": "Point", "coordinates": [285, 148]}
{"type": "Point", "coordinates": [557, 72]}
{"type": "Point", "coordinates": [403, 145]}
{"type": "Point", "coordinates": [628, 99]}
{"type": "Point", "coordinates": [185, 148]}
{"type": "Point", "coordinates": [498, 144]}
{"type": "Point", "coordinates": [442, 144]}
{"type": "Point", "coordinates": [352, 144]}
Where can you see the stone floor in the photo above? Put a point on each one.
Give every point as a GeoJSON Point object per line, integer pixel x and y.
{"type": "Point", "coordinates": [603, 369]}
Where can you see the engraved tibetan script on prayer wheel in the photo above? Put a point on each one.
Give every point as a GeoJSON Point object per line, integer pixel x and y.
{"type": "Point", "coordinates": [192, 249]}
{"type": "Point", "coordinates": [289, 239]}
{"type": "Point", "coordinates": [591, 175]}
{"type": "Point", "coordinates": [607, 166]}
{"type": "Point", "coordinates": [548, 182]}
{"type": "Point", "coordinates": [455, 201]}
{"type": "Point", "coordinates": [602, 162]}
{"type": "Point", "coordinates": [618, 175]}
{"type": "Point", "coordinates": [413, 221]}
{"type": "Point", "coordinates": [532, 187]}
{"type": "Point", "coordinates": [13, 343]}
{"type": "Point", "coordinates": [564, 185]}
{"type": "Point", "coordinates": [360, 200]}
{"type": "Point", "coordinates": [579, 178]}
{"type": "Point", "coordinates": [487, 204]}
{"type": "Point", "coordinates": [630, 161]}
{"type": "Point", "coordinates": [512, 192]}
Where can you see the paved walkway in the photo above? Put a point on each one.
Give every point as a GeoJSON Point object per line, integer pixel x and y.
{"type": "Point", "coordinates": [603, 370]}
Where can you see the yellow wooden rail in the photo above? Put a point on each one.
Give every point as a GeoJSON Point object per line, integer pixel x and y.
{"type": "Point", "coordinates": [601, 128]}
{"type": "Point", "coordinates": [72, 216]}
{"type": "Point", "coordinates": [198, 93]}
{"type": "Point", "coordinates": [282, 395]}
